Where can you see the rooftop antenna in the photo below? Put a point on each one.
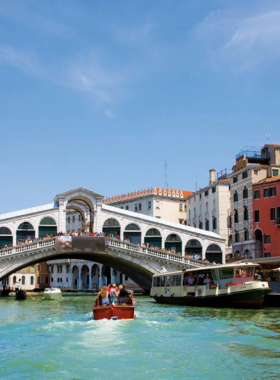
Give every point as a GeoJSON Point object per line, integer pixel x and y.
{"type": "Point", "coordinates": [166, 184]}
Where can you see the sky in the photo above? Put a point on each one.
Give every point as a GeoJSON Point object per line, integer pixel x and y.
{"type": "Point", "coordinates": [99, 94]}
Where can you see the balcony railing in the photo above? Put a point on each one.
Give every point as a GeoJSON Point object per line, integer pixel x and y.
{"type": "Point", "coordinates": [235, 226]}
{"type": "Point", "coordinates": [213, 213]}
{"type": "Point", "coordinates": [235, 205]}
{"type": "Point", "coordinates": [245, 224]}
{"type": "Point", "coordinates": [245, 202]}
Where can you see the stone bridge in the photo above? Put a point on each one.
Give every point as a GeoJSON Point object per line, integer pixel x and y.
{"type": "Point", "coordinates": [139, 263]}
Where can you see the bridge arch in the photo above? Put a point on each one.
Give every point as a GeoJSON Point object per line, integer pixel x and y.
{"type": "Point", "coordinates": [214, 253]}
{"type": "Point", "coordinates": [174, 243]}
{"type": "Point", "coordinates": [47, 226]}
{"type": "Point", "coordinates": [194, 248]}
{"type": "Point", "coordinates": [6, 236]}
{"type": "Point", "coordinates": [25, 231]}
{"type": "Point", "coordinates": [153, 237]}
{"type": "Point", "coordinates": [85, 275]}
{"type": "Point", "coordinates": [132, 231]}
{"type": "Point", "coordinates": [95, 274]}
{"type": "Point", "coordinates": [111, 226]}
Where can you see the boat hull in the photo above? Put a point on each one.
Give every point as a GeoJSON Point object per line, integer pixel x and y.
{"type": "Point", "coordinates": [119, 312]}
{"type": "Point", "coordinates": [20, 295]}
{"type": "Point", "coordinates": [253, 299]}
{"type": "Point", "coordinates": [52, 296]}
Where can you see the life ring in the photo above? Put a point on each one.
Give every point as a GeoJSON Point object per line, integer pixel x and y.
{"type": "Point", "coordinates": [228, 284]}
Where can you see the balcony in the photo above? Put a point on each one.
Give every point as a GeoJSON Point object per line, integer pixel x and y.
{"type": "Point", "coordinates": [214, 213]}
{"type": "Point", "coordinates": [194, 219]}
{"type": "Point", "coordinates": [235, 226]}
{"type": "Point", "coordinates": [254, 155]}
{"type": "Point", "coordinates": [245, 224]}
{"type": "Point", "coordinates": [235, 205]}
{"type": "Point", "coordinates": [207, 215]}
{"type": "Point", "coordinates": [245, 202]}
{"type": "Point", "coordinates": [277, 222]}
{"type": "Point", "coordinates": [200, 218]}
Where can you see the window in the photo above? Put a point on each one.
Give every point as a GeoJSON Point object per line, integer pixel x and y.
{"type": "Point", "coordinates": [271, 192]}
{"type": "Point", "coordinates": [194, 212]}
{"type": "Point", "coordinates": [245, 193]}
{"type": "Point", "coordinates": [207, 225]}
{"type": "Point", "coordinates": [206, 193]}
{"type": "Point", "coordinates": [235, 196]}
{"type": "Point", "coordinates": [39, 268]}
{"type": "Point", "coordinates": [31, 280]}
{"type": "Point", "coordinates": [149, 204]}
{"type": "Point", "coordinates": [256, 172]}
{"type": "Point", "coordinates": [267, 239]}
{"type": "Point", "coordinates": [245, 174]}
{"type": "Point", "coordinates": [235, 179]}
{"type": "Point", "coordinates": [127, 207]}
{"type": "Point", "coordinates": [236, 237]}
{"type": "Point", "coordinates": [214, 189]}
{"type": "Point", "coordinates": [229, 224]}
{"type": "Point", "coordinates": [136, 207]}
{"type": "Point", "coordinates": [47, 280]}
{"type": "Point", "coordinates": [236, 218]}
{"type": "Point", "coordinates": [67, 268]}
{"type": "Point", "coordinates": [73, 218]}
{"type": "Point", "coordinates": [257, 194]}
{"type": "Point", "coordinates": [80, 217]}
{"type": "Point", "coordinates": [246, 215]}
{"type": "Point", "coordinates": [38, 280]}
{"type": "Point", "coordinates": [275, 172]}
{"type": "Point", "coordinates": [180, 207]}
{"type": "Point", "coordinates": [267, 254]}
{"type": "Point", "coordinates": [257, 216]}
{"type": "Point", "coordinates": [246, 235]}
{"type": "Point", "coordinates": [226, 273]}
{"type": "Point", "coordinates": [122, 208]}
{"type": "Point", "coordinates": [23, 280]}
{"type": "Point", "coordinates": [140, 206]}
{"type": "Point", "coordinates": [199, 196]}
{"type": "Point", "coordinates": [272, 214]}
{"type": "Point", "coordinates": [214, 223]}
{"type": "Point", "coordinates": [68, 219]}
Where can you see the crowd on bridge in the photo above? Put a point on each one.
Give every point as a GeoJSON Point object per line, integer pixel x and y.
{"type": "Point", "coordinates": [99, 234]}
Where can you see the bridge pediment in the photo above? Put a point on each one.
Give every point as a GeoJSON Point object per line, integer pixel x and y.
{"type": "Point", "coordinates": [78, 193]}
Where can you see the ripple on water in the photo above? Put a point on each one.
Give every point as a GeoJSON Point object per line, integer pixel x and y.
{"type": "Point", "coordinates": [52, 340]}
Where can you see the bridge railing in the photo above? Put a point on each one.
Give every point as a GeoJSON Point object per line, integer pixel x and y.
{"type": "Point", "coordinates": [156, 253]}
{"type": "Point", "coordinates": [27, 247]}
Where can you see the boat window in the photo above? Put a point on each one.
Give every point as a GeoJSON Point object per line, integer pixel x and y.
{"type": "Point", "coordinates": [178, 279]}
{"type": "Point", "coordinates": [162, 281]}
{"type": "Point", "coordinates": [244, 272]}
{"type": "Point", "coordinates": [215, 274]}
{"type": "Point", "coordinates": [172, 280]}
{"type": "Point", "coordinates": [226, 273]}
{"type": "Point", "coordinates": [167, 280]}
{"type": "Point", "coordinates": [158, 281]}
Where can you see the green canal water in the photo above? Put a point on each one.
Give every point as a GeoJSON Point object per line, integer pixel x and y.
{"type": "Point", "coordinates": [59, 340]}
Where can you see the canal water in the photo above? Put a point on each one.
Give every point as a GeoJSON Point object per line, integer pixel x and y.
{"type": "Point", "coordinates": [59, 340]}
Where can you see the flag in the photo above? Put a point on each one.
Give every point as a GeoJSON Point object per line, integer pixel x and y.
{"type": "Point", "coordinates": [113, 306]}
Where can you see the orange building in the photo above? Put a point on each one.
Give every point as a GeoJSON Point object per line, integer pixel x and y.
{"type": "Point", "coordinates": [266, 211]}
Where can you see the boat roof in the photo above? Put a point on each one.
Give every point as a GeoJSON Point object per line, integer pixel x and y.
{"type": "Point", "coordinates": [210, 267]}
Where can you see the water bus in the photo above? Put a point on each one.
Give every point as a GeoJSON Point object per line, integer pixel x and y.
{"type": "Point", "coordinates": [228, 285]}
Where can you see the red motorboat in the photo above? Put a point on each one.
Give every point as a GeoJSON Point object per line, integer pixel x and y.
{"type": "Point", "coordinates": [115, 312]}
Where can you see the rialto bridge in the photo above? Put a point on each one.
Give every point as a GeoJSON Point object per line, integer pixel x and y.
{"type": "Point", "coordinates": [138, 262]}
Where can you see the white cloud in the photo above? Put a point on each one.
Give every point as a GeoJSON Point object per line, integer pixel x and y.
{"type": "Point", "coordinates": [241, 42]}
{"type": "Point", "coordinates": [26, 62]}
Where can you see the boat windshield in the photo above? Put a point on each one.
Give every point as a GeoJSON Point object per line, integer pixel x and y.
{"type": "Point", "coordinates": [244, 272]}
{"type": "Point", "coordinates": [168, 280]}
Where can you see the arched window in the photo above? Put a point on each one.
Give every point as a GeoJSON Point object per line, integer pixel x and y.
{"type": "Point", "coordinates": [5, 231]}
{"type": "Point", "coordinates": [26, 226]}
{"type": "Point", "coordinates": [235, 196]}
{"type": "Point", "coordinates": [111, 223]}
{"type": "Point", "coordinates": [23, 280]}
{"type": "Point", "coordinates": [31, 280]}
{"type": "Point", "coordinates": [132, 227]}
{"type": "Point", "coordinates": [47, 222]}
{"type": "Point", "coordinates": [246, 214]}
{"type": "Point", "coordinates": [236, 219]}
{"type": "Point", "coordinates": [153, 232]}
{"type": "Point", "coordinates": [245, 192]}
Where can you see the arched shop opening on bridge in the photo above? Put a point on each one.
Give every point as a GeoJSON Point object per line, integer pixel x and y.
{"type": "Point", "coordinates": [174, 243]}
{"type": "Point", "coordinates": [6, 237]}
{"type": "Point", "coordinates": [85, 277]}
{"type": "Point", "coordinates": [194, 249]}
{"type": "Point", "coordinates": [47, 227]}
{"type": "Point", "coordinates": [111, 227]}
{"type": "Point", "coordinates": [214, 253]}
{"type": "Point", "coordinates": [25, 231]}
{"type": "Point", "coordinates": [133, 233]}
{"type": "Point", "coordinates": [75, 277]}
{"type": "Point", "coordinates": [95, 274]}
{"type": "Point", "coordinates": [153, 237]}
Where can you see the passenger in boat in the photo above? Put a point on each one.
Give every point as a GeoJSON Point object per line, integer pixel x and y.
{"type": "Point", "coordinates": [200, 280]}
{"type": "Point", "coordinates": [124, 294]}
{"type": "Point", "coordinates": [104, 295]}
{"type": "Point", "coordinates": [190, 280]}
{"type": "Point", "coordinates": [113, 293]}
{"type": "Point", "coordinates": [120, 299]}
{"type": "Point", "coordinates": [207, 280]}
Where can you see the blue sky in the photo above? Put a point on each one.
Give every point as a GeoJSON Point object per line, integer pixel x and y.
{"type": "Point", "coordinates": [99, 93]}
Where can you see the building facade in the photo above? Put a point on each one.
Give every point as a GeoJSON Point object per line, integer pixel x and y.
{"type": "Point", "coordinates": [266, 214]}
{"type": "Point", "coordinates": [161, 203]}
{"type": "Point", "coordinates": [252, 165]}
{"type": "Point", "coordinates": [208, 208]}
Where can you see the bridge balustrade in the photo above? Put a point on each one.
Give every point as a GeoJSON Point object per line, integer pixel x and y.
{"type": "Point", "coordinates": [112, 243]}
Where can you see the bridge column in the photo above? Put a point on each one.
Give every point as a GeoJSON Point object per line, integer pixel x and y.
{"type": "Point", "coordinates": [97, 217]}
{"type": "Point", "coordinates": [61, 216]}
{"type": "Point", "coordinates": [100, 279]}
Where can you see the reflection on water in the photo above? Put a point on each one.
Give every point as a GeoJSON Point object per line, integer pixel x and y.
{"type": "Point", "coordinates": [59, 339]}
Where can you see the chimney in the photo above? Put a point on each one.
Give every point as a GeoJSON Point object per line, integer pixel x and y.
{"type": "Point", "coordinates": [212, 176]}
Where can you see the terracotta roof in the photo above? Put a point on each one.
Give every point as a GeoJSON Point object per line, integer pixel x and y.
{"type": "Point", "coordinates": [154, 190]}
{"type": "Point", "coordinates": [268, 180]}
